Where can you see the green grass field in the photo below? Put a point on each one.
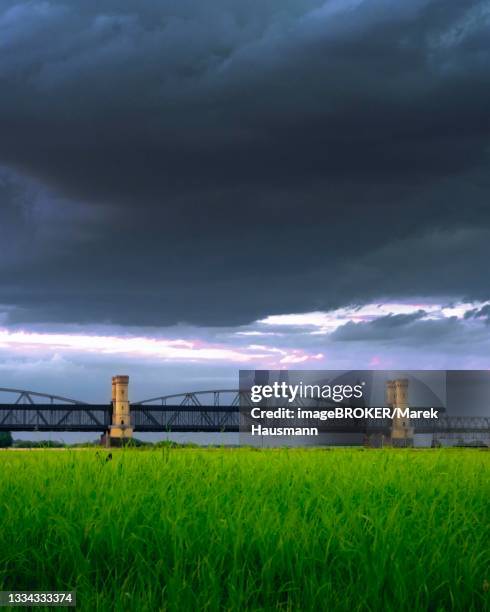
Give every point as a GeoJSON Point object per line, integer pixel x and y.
{"type": "Point", "coordinates": [185, 529]}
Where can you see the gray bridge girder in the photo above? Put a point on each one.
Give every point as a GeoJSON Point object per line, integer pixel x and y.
{"type": "Point", "coordinates": [24, 396]}
{"type": "Point", "coordinates": [55, 417]}
{"type": "Point", "coordinates": [197, 418]}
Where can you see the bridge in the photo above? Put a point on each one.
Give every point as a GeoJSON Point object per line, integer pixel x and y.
{"type": "Point", "coordinates": [199, 411]}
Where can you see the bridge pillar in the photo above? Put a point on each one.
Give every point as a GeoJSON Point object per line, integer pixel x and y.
{"type": "Point", "coordinates": [121, 429]}
{"type": "Point", "coordinates": [397, 397]}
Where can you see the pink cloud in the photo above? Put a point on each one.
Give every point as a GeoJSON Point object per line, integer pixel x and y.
{"type": "Point", "coordinates": [144, 346]}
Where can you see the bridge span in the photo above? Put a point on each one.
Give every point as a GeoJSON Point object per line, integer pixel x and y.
{"type": "Point", "coordinates": [210, 411]}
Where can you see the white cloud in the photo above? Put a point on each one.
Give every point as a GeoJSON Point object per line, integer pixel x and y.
{"type": "Point", "coordinates": [328, 322]}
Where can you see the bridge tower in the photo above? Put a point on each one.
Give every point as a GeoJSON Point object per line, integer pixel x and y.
{"type": "Point", "coordinates": [121, 429]}
{"type": "Point", "coordinates": [397, 397]}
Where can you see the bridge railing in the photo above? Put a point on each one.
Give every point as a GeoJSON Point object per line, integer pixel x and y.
{"type": "Point", "coordinates": [52, 417]}
{"type": "Point", "coordinates": [185, 418]}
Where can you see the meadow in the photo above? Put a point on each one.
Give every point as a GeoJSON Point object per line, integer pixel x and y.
{"type": "Point", "coordinates": [243, 529]}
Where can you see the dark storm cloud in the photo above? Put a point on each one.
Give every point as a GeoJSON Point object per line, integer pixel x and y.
{"type": "Point", "coordinates": [479, 313]}
{"type": "Point", "coordinates": [217, 163]}
{"type": "Point", "coordinates": [400, 328]}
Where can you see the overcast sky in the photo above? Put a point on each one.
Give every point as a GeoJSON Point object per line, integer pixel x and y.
{"type": "Point", "coordinates": [189, 187]}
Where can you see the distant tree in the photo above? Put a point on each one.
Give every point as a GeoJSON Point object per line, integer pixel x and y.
{"type": "Point", "coordinates": [5, 439]}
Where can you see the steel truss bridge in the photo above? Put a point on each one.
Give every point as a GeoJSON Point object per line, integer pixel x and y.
{"type": "Point", "coordinates": [200, 411]}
